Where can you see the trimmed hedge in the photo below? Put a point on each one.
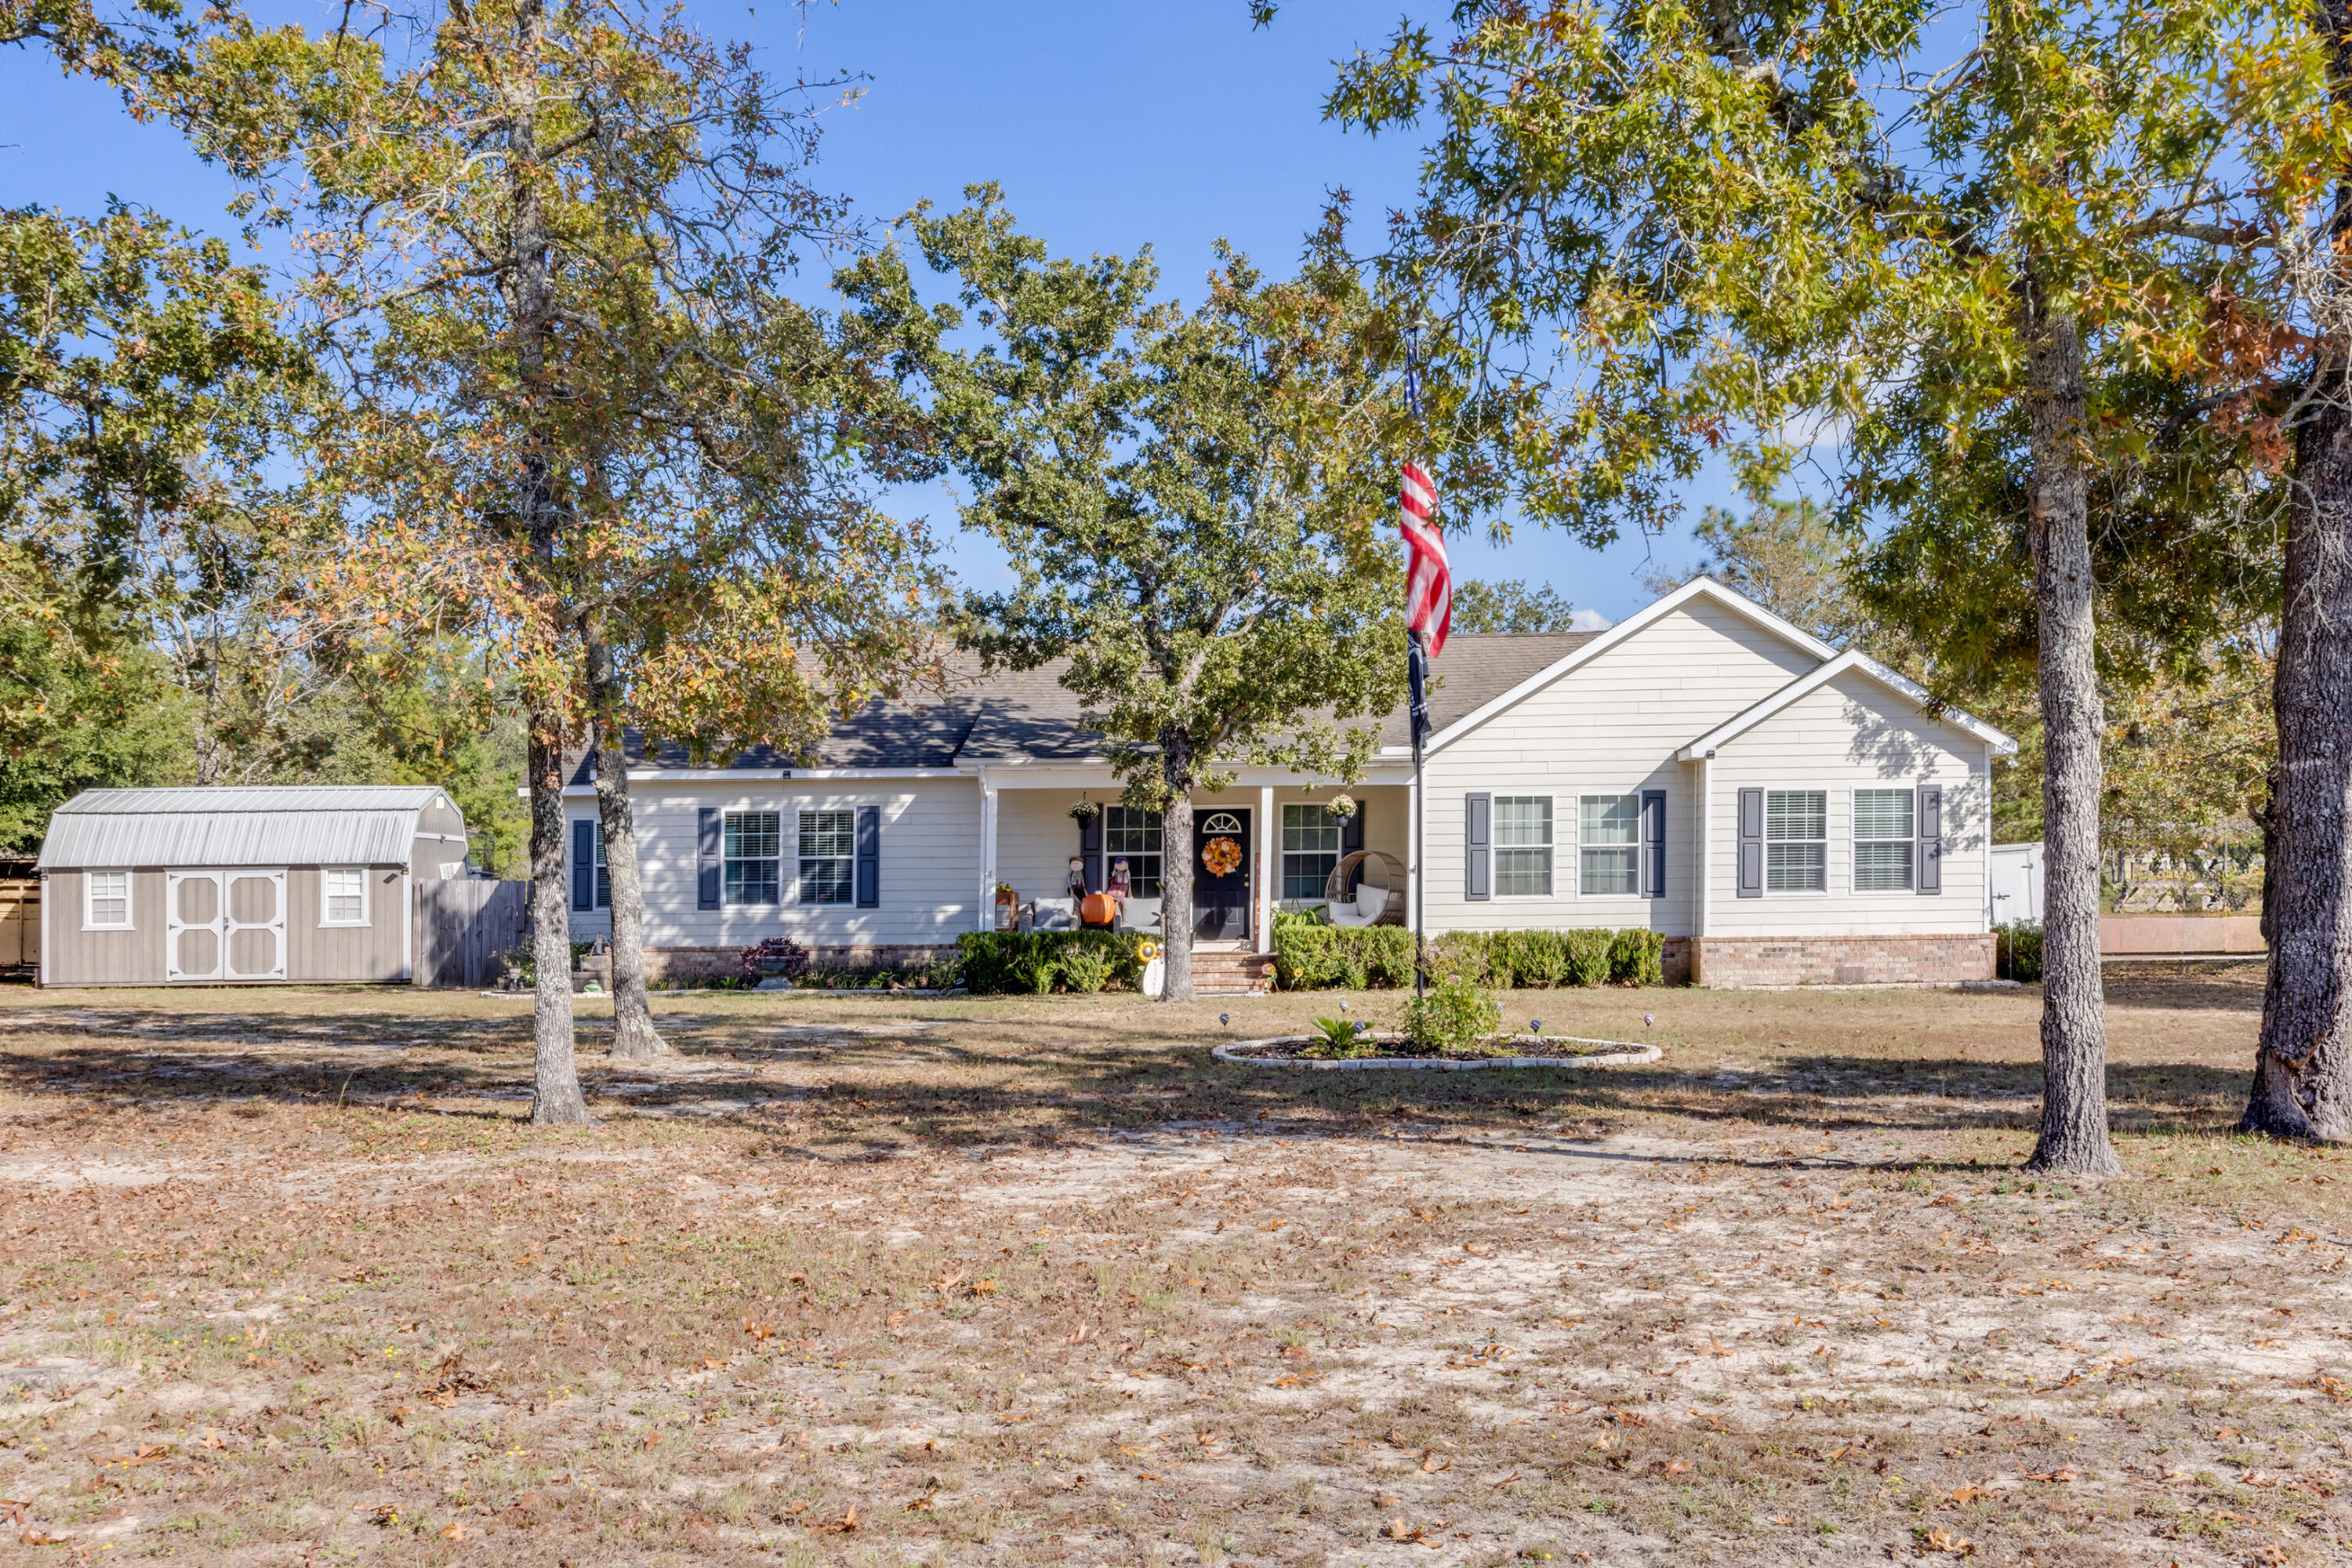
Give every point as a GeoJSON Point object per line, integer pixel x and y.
{"type": "Point", "coordinates": [2017, 952]}
{"type": "Point", "coordinates": [1032, 962]}
{"type": "Point", "coordinates": [1309, 955]}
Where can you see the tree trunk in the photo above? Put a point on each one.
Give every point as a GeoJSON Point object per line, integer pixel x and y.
{"type": "Point", "coordinates": [2073, 1005]}
{"type": "Point", "coordinates": [633, 1036]}
{"type": "Point", "coordinates": [1176, 868]}
{"type": "Point", "coordinates": [528, 289]}
{"type": "Point", "coordinates": [2302, 1067]}
{"type": "Point", "coordinates": [556, 1099]}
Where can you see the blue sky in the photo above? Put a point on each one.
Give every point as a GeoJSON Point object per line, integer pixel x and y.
{"type": "Point", "coordinates": [1110, 124]}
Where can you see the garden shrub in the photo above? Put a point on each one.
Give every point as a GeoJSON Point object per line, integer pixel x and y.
{"type": "Point", "coordinates": [1036, 961]}
{"type": "Point", "coordinates": [1638, 957]}
{"type": "Point", "coordinates": [1588, 954]}
{"type": "Point", "coordinates": [2018, 952]}
{"type": "Point", "coordinates": [1456, 1016]}
{"type": "Point", "coordinates": [1310, 955]}
{"type": "Point", "coordinates": [1461, 954]}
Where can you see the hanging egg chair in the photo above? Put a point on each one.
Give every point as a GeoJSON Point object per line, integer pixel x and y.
{"type": "Point", "coordinates": [1377, 900]}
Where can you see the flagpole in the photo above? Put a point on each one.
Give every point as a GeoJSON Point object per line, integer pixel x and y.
{"type": "Point", "coordinates": [1418, 720]}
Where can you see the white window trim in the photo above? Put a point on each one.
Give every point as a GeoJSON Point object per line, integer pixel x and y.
{"type": "Point", "coordinates": [327, 923]}
{"type": "Point", "coordinates": [1636, 896]}
{"type": "Point", "coordinates": [130, 898]}
{"type": "Point", "coordinates": [797, 859]}
{"type": "Point", "coordinates": [1854, 846]}
{"type": "Point", "coordinates": [1829, 836]}
{"type": "Point", "coordinates": [785, 885]}
{"type": "Point", "coordinates": [1494, 847]}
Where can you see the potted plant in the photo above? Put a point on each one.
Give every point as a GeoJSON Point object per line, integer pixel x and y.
{"type": "Point", "coordinates": [1341, 805]}
{"type": "Point", "coordinates": [1083, 811]}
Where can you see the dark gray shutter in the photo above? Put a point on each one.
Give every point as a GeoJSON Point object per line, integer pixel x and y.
{"type": "Point", "coordinates": [584, 865]}
{"type": "Point", "coordinates": [1654, 844]}
{"type": "Point", "coordinates": [711, 838]}
{"type": "Point", "coordinates": [1351, 840]}
{"type": "Point", "coordinates": [869, 857]}
{"type": "Point", "coordinates": [1751, 844]}
{"type": "Point", "coordinates": [1090, 842]}
{"type": "Point", "coordinates": [1930, 828]}
{"type": "Point", "coordinates": [1478, 815]}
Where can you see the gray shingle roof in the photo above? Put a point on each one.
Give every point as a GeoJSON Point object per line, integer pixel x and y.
{"type": "Point", "coordinates": [1028, 713]}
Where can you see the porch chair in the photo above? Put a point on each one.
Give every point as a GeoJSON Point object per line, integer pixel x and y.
{"type": "Point", "coordinates": [1380, 904]}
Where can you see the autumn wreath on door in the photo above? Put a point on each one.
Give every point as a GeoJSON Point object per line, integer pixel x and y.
{"type": "Point", "coordinates": [1221, 856]}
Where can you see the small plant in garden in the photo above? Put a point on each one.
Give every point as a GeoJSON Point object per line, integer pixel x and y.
{"type": "Point", "coordinates": [1086, 969]}
{"type": "Point", "coordinates": [1339, 1037]}
{"type": "Point", "coordinates": [778, 955]}
{"type": "Point", "coordinates": [1452, 1017]}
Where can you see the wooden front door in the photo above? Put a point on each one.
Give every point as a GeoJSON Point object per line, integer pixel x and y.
{"type": "Point", "coordinates": [1221, 899]}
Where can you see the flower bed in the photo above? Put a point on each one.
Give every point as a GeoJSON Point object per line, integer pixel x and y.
{"type": "Point", "coordinates": [1396, 1051]}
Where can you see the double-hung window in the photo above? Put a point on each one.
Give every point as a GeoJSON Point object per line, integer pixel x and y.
{"type": "Point", "coordinates": [1609, 845]}
{"type": "Point", "coordinates": [1796, 840]}
{"type": "Point", "coordinates": [1522, 846]}
{"type": "Point", "coordinates": [106, 900]}
{"type": "Point", "coordinates": [753, 848]}
{"type": "Point", "coordinates": [1883, 840]}
{"type": "Point", "coordinates": [828, 847]}
{"type": "Point", "coordinates": [342, 892]}
{"type": "Point", "coordinates": [1137, 837]}
{"type": "Point", "coordinates": [1310, 849]}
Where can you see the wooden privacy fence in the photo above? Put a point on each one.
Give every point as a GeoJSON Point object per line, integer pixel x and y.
{"type": "Point", "coordinates": [463, 927]}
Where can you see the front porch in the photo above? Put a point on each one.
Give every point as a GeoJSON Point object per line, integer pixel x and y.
{"type": "Point", "coordinates": [1258, 845]}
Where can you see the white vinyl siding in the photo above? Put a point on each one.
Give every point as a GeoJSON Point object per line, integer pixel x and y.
{"type": "Point", "coordinates": [106, 900]}
{"type": "Point", "coordinates": [1608, 849]}
{"type": "Point", "coordinates": [342, 895]}
{"type": "Point", "coordinates": [1883, 840]}
{"type": "Point", "coordinates": [1523, 846]}
{"type": "Point", "coordinates": [1796, 841]}
{"type": "Point", "coordinates": [828, 847]}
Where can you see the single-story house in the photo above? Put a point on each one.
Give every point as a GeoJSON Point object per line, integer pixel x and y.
{"type": "Point", "coordinates": [218, 886]}
{"type": "Point", "coordinates": [1784, 813]}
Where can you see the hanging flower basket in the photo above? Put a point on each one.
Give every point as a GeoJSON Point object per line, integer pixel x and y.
{"type": "Point", "coordinates": [1084, 810]}
{"type": "Point", "coordinates": [1342, 806]}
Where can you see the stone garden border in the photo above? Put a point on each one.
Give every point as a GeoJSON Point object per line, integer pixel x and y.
{"type": "Point", "coordinates": [1627, 1053]}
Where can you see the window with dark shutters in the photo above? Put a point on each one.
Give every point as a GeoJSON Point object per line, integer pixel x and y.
{"type": "Point", "coordinates": [1653, 842]}
{"type": "Point", "coordinates": [1478, 816]}
{"type": "Point", "coordinates": [1931, 840]}
{"type": "Point", "coordinates": [1751, 844]}
{"type": "Point", "coordinates": [869, 857]}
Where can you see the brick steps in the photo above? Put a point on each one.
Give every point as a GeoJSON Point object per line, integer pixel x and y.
{"type": "Point", "coordinates": [1231, 974]}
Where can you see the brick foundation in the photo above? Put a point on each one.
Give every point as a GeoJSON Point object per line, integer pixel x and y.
{"type": "Point", "coordinates": [1674, 961]}
{"type": "Point", "coordinates": [704, 962]}
{"type": "Point", "coordinates": [1734, 961]}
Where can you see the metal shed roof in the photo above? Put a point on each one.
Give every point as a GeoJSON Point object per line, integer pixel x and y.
{"type": "Point", "coordinates": [296, 824]}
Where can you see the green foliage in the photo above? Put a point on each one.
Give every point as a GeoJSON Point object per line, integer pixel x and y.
{"type": "Point", "coordinates": [1341, 1037]}
{"type": "Point", "coordinates": [1637, 957]}
{"type": "Point", "coordinates": [1588, 954]}
{"type": "Point", "coordinates": [1034, 963]}
{"type": "Point", "coordinates": [1455, 1017]}
{"type": "Point", "coordinates": [1509, 606]}
{"type": "Point", "coordinates": [1309, 955]}
{"type": "Point", "coordinates": [2018, 952]}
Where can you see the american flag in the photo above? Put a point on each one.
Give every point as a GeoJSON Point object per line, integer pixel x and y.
{"type": "Point", "coordinates": [1428, 582]}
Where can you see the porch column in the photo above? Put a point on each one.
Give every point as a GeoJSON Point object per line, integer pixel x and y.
{"type": "Point", "coordinates": [1269, 861]}
{"type": "Point", "coordinates": [986, 918]}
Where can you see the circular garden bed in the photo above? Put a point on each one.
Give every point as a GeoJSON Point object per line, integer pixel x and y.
{"type": "Point", "coordinates": [1397, 1053]}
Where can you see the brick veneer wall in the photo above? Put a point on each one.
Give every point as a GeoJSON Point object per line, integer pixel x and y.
{"type": "Point", "coordinates": [1843, 960]}
{"type": "Point", "coordinates": [702, 963]}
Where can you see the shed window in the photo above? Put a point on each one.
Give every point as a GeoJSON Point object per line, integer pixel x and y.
{"type": "Point", "coordinates": [1882, 840]}
{"type": "Point", "coordinates": [106, 900]}
{"type": "Point", "coordinates": [1796, 840]}
{"type": "Point", "coordinates": [1608, 850]}
{"type": "Point", "coordinates": [754, 843]}
{"type": "Point", "coordinates": [828, 843]}
{"type": "Point", "coordinates": [1522, 846]}
{"type": "Point", "coordinates": [343, 890]}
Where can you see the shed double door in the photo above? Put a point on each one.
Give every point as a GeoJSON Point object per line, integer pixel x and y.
{"type": "Point", "coordinates": [224, 925]}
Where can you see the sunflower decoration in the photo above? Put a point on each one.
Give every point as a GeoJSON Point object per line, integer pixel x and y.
{"type": "Point", "coordinates": [1147, 950]}
{"type": "Point", "coordinates": [1221, 856]}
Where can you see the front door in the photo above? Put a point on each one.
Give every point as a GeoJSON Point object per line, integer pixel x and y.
{"type": "Point", "coordinates": [224, 925]}
{"type": "Point", "coordinates": [1220, 876]}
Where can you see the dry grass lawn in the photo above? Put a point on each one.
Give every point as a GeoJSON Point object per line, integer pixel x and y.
{"type": "Point", "coordinates": [285, 1279]}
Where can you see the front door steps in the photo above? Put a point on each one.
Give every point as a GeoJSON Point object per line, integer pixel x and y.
{"type": "Point", "coordinates": [1231, 972]}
